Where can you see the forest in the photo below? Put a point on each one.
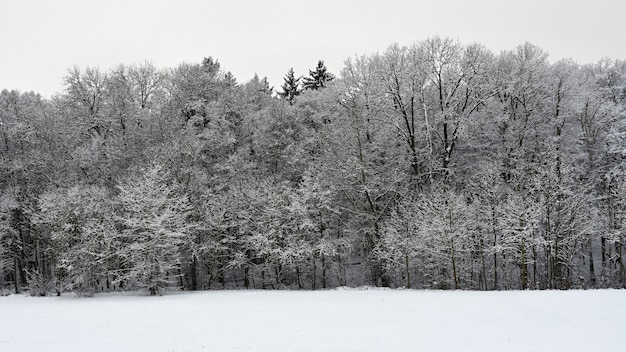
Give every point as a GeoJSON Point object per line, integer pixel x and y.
{"type": "Point", "coordinates": [437, 165]}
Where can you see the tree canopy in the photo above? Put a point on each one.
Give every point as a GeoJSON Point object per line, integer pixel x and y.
{"type": "Point", "coordinates": [434, 165]}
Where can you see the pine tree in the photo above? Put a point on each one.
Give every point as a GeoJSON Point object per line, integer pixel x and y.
{"type": "Point", "coordinates": [291, 87]}
{"type": "Point", "coordinates": [318, 77]}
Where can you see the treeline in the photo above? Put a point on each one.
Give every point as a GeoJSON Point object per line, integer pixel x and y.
{"type": "Point", "coordinates": [437, 165]}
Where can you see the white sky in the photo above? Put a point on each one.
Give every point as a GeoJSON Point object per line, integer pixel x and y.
{"type": "Point", "coordinates": [41, 39]}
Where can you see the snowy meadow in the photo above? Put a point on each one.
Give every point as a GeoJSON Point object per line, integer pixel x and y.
{"type": "Point", "coordinates": [334, 320]}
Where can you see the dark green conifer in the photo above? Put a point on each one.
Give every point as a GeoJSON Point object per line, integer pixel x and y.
{"type": "Point", "coordinates": [317, 78]}
{"type": "Point", "coordinates": [291, 87]}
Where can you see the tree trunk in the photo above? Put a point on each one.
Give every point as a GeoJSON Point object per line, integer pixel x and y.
{"type": "Point", "coordinates": [246, 276]}
{"type": "Point", "coordinates": [314, 279]}
{"type": "Point", "coordinates": [408, 271]}
{"type": "Point", "coordinates": [495, 244]}
{"type": "Point", "coordinates": [620, 260]}
{"type": "Point", "coordinates": [194, 273]}
{"type": "Point", "coordinates": [16, 270]}
{"type": "Point", "coordinates": [592, 271]}
{"type": "Point", "coordinates": [483, 266]}
{"type": "Point", "coordinates": [454, 272]}
{"type": "Point", "coordinates": [524, 268]}
{"type": "Point", "coordinates": [324, 271]}
{"type": "Point", "coordinates": [299, 277]}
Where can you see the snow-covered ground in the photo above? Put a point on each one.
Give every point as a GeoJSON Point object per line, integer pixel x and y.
{"type": "Point", "coordinates": [336, 320]}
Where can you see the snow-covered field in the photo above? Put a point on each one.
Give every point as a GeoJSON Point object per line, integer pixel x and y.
{"type": "Point", "coordinates": [337, 320]}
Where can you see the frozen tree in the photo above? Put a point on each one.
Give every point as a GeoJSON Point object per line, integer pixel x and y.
{"type": "Point", "coordinates": [85, 94]}
{"type": "Point", "coordinates": [399, 247]}
{"type": "Point", "coordinates": [146, 83]}
{"type": "Point", "coordinates": [155, 220]}
{"type": "Point", "coordinates": [436, 164]}
{"type": "Point", "coordinates": [28, 157]}
{"type": "Point", "coordinates": [194, 87]}
{"type": "Point", "coordinates": [257, 92]}
{"type": "Point", "coordinates": [444, 228]}
{"type": "Point", "coordinates": [398, 81]}
{"type": "Point", "coordinates": [365, 161]}
{"type": "Point", "coordinates": [454, 90]}
{"type": "Point", "coordinates": [10, 243]}
{"type": "Point", "coordinates": [315, 242]}
{"type": "Point", "coordinates": [83, 238]}
{"type": "Point", "coordinates": [612, 245]}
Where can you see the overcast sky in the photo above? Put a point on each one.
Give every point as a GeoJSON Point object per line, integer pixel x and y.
{"type": "Point", "coordinates": [41, 39]}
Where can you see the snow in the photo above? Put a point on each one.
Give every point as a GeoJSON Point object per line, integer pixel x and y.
{"type": "Point", "coordinates": [336, 320]}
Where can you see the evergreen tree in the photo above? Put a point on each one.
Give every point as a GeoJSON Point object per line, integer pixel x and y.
{"type": "Point", "coordinates": [318, 77]}
{"type": "Point", "coordinates": [291, 87]}
{"type": "Point", "coordinates": [260, 85]}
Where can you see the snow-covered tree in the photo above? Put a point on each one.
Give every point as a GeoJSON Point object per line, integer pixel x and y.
{"type": "Point", "coordinates": [155, 224]}
{"type": "Point", "coordinates": [291, 87]}
{"type": "Point", "coordinates": [84, 239]}
{"type": "Point", "coordinates": [400, 247]}
{"type": "Point", "coordinates": [9, 242]}
{"type": "Point", "coordinates": [318, 78]}
{"type": "Point", "coordinates": [436, 164]}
